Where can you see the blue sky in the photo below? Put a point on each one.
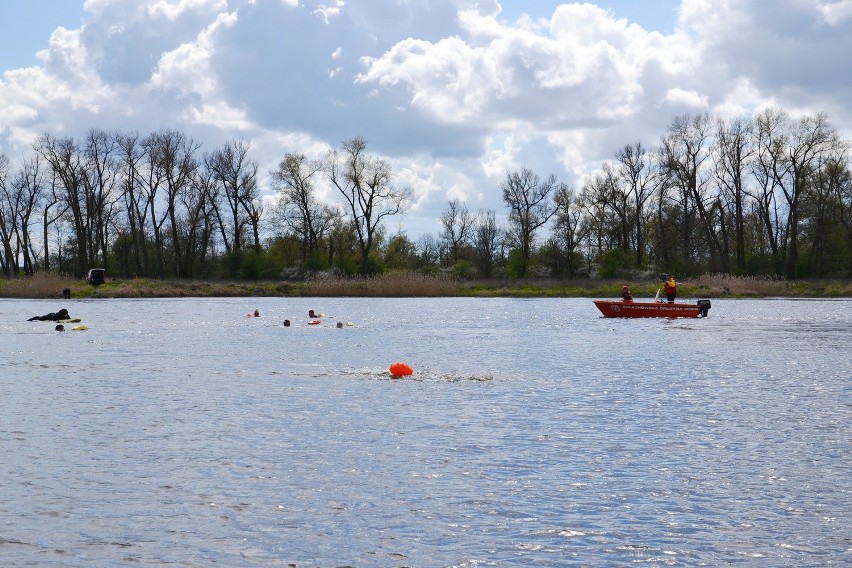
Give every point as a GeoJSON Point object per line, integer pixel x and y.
{"type": "Point", "coordinates": [27, 25]}
{"type": "Point", "coordinates": [454, 93]}
{"type": "Point", "coordinates": [658, 15]}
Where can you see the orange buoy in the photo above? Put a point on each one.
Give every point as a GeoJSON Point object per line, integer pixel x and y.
{"type": "Point", "coordinates": [400, 369]}
{"type": "Point", "coordinates": [314, 322]}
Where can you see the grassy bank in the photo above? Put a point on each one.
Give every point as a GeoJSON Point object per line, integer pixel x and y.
{"type": "Point", "coordinates": [407, 284]}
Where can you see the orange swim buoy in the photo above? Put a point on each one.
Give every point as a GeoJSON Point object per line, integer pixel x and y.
{"type": "Point", "coordinates": [314, 322]}
{"type": "Point", "coordinates": [400, 369]}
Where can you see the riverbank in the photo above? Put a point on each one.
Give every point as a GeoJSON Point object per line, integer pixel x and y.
{"type": "Point", "coordinates": [408, 284]}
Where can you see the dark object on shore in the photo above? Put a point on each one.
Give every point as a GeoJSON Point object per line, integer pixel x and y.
{"type": "Point", "coordinates": [96, 276]}
{"type": "Point", "coordinates": [59, 327]}
{"type": "Point", "coordinates": [52, 316]}
{"type": "Point", "coordinates": [66, 293]}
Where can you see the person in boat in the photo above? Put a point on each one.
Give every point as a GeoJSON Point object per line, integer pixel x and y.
{"type": "Point", "coordinates": [669, 288]}
{"type": "Point", "coordinates": [626, 296]}
{"type": "Point", "coordinates": [52, 316]}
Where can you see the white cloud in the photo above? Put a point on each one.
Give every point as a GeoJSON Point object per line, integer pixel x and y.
{"type": "Point", "coordinates": [326, 13]}
{"type": "Point", "coordinates": [683, 98]}
{"type": "Point", "coordinates": [453, 94]}
{"type": "Point", "coordinates": [174, 9]}
{"type": "Point", "coordinates": [186, 69]}
{"type": "Point", "coordinates": [836, 13]}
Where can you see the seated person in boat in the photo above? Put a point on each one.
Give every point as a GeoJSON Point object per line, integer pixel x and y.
{"type": "Point", "coordinates": [52, 316]}
{"type": "Point", "coordinates": [626, 295]}
{"type": "Point", "coordinates": [670, 288]}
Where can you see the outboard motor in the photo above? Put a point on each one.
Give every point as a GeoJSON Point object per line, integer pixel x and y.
{"type": "Point", "coordinates": [705, 307]}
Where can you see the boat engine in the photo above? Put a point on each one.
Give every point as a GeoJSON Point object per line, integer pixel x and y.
{"type": "Point", "coordinates": [705, 307]}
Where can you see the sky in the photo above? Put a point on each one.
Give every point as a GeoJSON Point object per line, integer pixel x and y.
{"type": "Point", "coordinates": [453, 93]}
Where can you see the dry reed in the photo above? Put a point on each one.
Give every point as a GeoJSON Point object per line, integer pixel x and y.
{"type": "Point", "coordinates": [40, 285]}
{"type": "Point", "coordinates": [413, 284]}
{"type": "Point", "coordinates": [390, 285]}
{"type": "Point", "coordinates": [718, 285]}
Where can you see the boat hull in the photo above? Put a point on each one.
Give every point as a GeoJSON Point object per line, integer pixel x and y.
{"type": "Point", "coordinates": [621, 309]}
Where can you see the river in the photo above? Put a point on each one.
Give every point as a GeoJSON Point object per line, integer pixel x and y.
{"type": "Point", "coordinates": [532, 433]}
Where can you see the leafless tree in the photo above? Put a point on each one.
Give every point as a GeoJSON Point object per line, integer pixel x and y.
{"type": "Point", "coordinates": [100, 168]}
{"type": "Point", "coordinates": [568, 231]}
{"type": "Point", "coordinates": [487, 241]}
{"type": "Point", "coordinates": [67, 163]}
{"type": "Point", "coordinates": [638, 174]}
{"type": "Point", "coordinates": [298, 209]}
{"type": "Point", "coordinates": [684, 156]}
{"type": "Point", "coordinates": [27, 188]}
{"type": "Point", "coordinates": [732, 153]}
{"type": "Point", "coordinates": [8, 261]}
{"type": "Point", "coordinates": [457, 226]}
{"type": "Point", "coordinates": [770, 168]}
{"type": "Point", "coordinates": [811, 137]}
{"type": "Point", "coordinates": [367, 186]}
{"type": "Point", "coordinates": [531, 206]}
{"type": "Point", "coordinates": [236, 174]}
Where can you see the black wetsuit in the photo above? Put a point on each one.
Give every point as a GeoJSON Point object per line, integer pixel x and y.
{"type": "Point", "coordinates": [53, 316]}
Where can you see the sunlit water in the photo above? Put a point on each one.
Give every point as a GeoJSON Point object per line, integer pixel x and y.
{"type": "Point", "coordinates": [532, 433]}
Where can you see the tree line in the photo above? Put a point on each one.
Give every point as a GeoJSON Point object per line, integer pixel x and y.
{"type": "Point", "coordinates": [755, 195]}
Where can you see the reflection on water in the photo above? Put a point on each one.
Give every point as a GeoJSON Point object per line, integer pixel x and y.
{"type": "Point", "coordinates": [533, 432]}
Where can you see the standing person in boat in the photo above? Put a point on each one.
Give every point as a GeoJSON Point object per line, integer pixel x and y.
{"type": "Point", "coordinates": [669, 288]}
{"type": "Point", "coordinates": [626, 295]}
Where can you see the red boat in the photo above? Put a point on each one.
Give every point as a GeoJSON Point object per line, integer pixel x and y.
{"type": "Point", "coordinates": [622, 309]}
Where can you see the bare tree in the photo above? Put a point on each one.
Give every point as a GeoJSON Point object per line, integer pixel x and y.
{"type": "Point", "coordinates": [770, 168]}
{"type": "Point", "coordinates": [28, 187]}
{"type": "Point", "coordinates": [684, 154]}
{"type": "Point", "coordinates": [732, 152]}
{"type": "Point", "coordinates": [608, 190]}
{"type": "Point", "coordinates": [366, 184]}
{"type": "Point", "coordinates": [236, 173]}
{"type": "Point", "coordinates": [428, 248]}
{"type": "Point", "coordinates": [457, 223]}
{"type": "Point", "coordinates": [641, 179]}
{"type": "Point", "coordinates": [487, 238]}
{"type": "Point", "coordinates": [824, 227]}
{"type": "Point", "coordinates": [174, 164]}
{"type": "Point", "coordinates": [810, 137]}
{"type": "Point", "coordinates": [66, 162]}
{"type": "Point", "coordinates": [298, 209]}
{"type": "Point", "coordinates": [531, 206]}
{"type": "Point", "coordinates": [130, 156]}
{"type": "Point", "coordinates": [8, 261]}
{"type": "Point", "coordinates": [100, 169]}
{"type": "Point", "coordinates": [568, 232]}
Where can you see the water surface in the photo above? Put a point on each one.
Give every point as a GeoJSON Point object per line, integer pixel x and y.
{"type": "Point", "coordinates": [533, 433]}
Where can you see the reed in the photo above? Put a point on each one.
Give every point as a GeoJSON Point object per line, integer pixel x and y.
{"type": "Point", "coordinates": [39, 285]}
{"type": "Point", "coordinates": [720, 285]}
{"type": "Point", "coordinates": [415, 284]}
{"type": "Point", "coordinates": [400, 284]}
